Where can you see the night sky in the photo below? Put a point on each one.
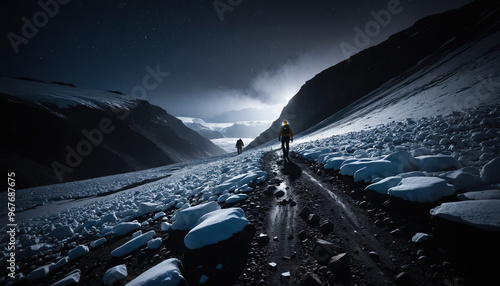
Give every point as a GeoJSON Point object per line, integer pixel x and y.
{"type": "Point", "coordinates": [196, 58]}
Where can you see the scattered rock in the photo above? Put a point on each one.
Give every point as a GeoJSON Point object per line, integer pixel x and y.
{"type": "Point", "coordinates": [285, 277]}
{"type": "Point", "coordinates": [338, 263]}
{"type": "Point", "coordinates": [323, 251]}
{"type": "Point", "coordinates": [270, 190]}
{"type": "Point", "coordinates": [276, 182]}
{"type": "Point", "coordinates": [397, 232]}
{"type": "Point", "coordinates": [39, 272]}
{"type": "Point", "coordinates": [62, 232]}
{"type": "Point", "coordinates": [302, 235]}
{"type": "Point", "coordinates": [421, 237]}
{"type": "Point", "coordinates": [287, 202]}
{"type": "Point", "coordinates": [71, 278]}
{"type": "Point", "coordinates": [311, 279]}
{"type": "Point", "coordinates": [263, 239]}
{"type": "Point", "coordinates": [374, 255]}
{"type": "Point", "coordinates": [273, 266]}
{"type": "Point", "coordinates": [313, 219]}
{"type": "Point", "coordinates": [479, 136]}
{"type": "Point", "coordinates": [165, 226]}
{"type": "Point", "coordinates": [78, 251]}
{"type": "Point", "coordinates": [363, 204]}
{"type": "Point", "coordinates": [424, 259]}
{"type": "Point", "coordinates": [403, 279]}
{"type": "Point", "coordinates": [279, 194]}
{"type": "Point", "coordinates": [489, 173]}
{"type": "Point", "coordinates": [283, 202]}
{"type": "Point", "coordinates": [114, 274]}
{"type": "Point", "coordinates": [305, 212]}
{"type": "Point", "coordinates": [326, 227]}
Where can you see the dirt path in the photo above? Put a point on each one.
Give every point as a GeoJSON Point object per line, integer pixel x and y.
{"type": "Point", "coordinates": [303, 208]}
{"type": "Point", "coordinates": [307, 191]}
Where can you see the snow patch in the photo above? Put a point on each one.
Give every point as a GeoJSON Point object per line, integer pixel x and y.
{"type": "Point", "coordinates": [480, 195]}
{"type": "Point", "coordinates": [216, 226]}
{"type": "Point", "coordinates": [166, 273]}
{"type": "Point", "coordinates": [126, 227]}
{"type": "Point", "coordinates": [188, 218]}
{"type": "Point", "coordinates": [490, 173]}
{"type": "Point", "coordinates": [133, 244]}
{"type": "Point", "coordinates": [422, 189]}
{"type": "Point", "coordinates": [78, 251]}
{"type": "Point", "coordinates": [114, 274]}
{"type": "Point", "coordinates": [482, 214]}
{"type": "Point", "coordinates": [70, 279]}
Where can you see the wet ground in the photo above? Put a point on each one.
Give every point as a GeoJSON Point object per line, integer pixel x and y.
{"type": "Point", "coordinates": [312, 208]}
{"type": "Point", "coordinates": [326, 229]}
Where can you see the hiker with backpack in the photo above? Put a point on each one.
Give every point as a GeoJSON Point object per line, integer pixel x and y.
{"type": "Point", "coordinates": [239, 146]}
{"type": "Point", "coordinates": [285, 136]}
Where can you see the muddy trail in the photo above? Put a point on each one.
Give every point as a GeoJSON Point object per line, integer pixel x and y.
{"type": "Point", "coordinates": [307, 226]}
{"type": "Point", "coordinates": [317, 233]}
{"type": "Point", "coordinates": [321, 228]}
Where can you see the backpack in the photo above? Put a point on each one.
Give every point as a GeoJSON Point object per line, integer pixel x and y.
{"type": "Point", "coordinates": [285, 130]}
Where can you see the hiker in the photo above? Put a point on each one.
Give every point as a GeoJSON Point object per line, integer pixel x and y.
{"type": "Point", "coordinates": [239, 145]}
{"type": "Point", "coordinates": [285, 136]}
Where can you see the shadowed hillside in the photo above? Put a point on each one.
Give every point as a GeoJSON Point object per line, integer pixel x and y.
{"type": "Point", "coordinates": [415, 48]}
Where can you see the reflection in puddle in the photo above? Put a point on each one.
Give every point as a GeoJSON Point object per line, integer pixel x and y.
{"type": "Point", "coordinates": [276, 210]}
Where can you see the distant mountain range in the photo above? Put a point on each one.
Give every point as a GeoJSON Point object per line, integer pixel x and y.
{"type": "Point", "coordinates": [412, 52]}
{"type": "Point", "coordinates": [58, 133]}
{"type": "Point", "coordinates": [247, 114]}
{"type": "Point", "coordinates": [235, 129]}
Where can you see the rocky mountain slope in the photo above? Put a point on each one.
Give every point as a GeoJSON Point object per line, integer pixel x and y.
{"type": "Point", "coordinates": [408, 52]}
{"type": "Point", "coordinates": [59, 133]}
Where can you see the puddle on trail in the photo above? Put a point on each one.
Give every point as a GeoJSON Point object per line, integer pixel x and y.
{"type": "Point", "coordinates": [282, 216]}
{"type": "Point", "coordinates": [275, 214]}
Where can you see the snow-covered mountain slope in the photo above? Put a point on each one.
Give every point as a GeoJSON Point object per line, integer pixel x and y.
{"type": "Point", "coordinates": [60, 133]}
{"type": "Point", "coordinates": [427, 134]}
{"type": "Point", "coordinates": [422, 160]}
{"type": "Point", "coordinates": [449, 57]}
{"type": "Point", "coordinates": [441, 84]}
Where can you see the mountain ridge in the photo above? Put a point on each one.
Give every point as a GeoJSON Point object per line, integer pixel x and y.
{"type": "Point", "coordinates": [337, 87]}
{"type": "Point", "coordinates": [61, 133]}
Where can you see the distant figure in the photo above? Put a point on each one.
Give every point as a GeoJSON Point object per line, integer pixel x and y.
{"type": "Point", "coordinates": [239, 145]}
{"type": "Point", "coordinates": [285, 136]}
